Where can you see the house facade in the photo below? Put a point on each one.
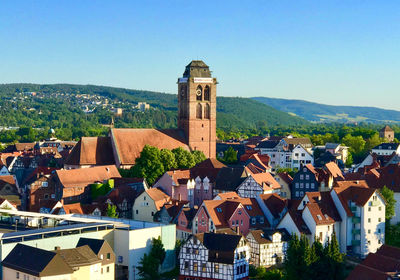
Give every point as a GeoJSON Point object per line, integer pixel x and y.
{"type": "Point", "coordinates": [214, 256]}
{"type": "Point", "coordinates": [267, 247]}
{"type": "Point", "coordinates": [362, 211]}
{"type": "Point", "coordinates": [305, 180]}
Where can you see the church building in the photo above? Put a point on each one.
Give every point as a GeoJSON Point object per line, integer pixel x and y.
{"type": "Point", "coordinates": [197, 106]}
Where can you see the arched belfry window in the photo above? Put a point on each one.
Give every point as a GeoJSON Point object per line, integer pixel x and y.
{"type": "Point", "coordinates": [207, 93]}
{"type": "Point", "coordinates": [199, 110]}
{"type": "Point", "coordinates": [207, 111]}
{"type": "Point", "coordinates": [199, 93]}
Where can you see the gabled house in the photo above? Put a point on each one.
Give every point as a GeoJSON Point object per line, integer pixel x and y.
{"type": "Point", "coordinates": [148, 203]}
{"type": "Point", "coordinates": [194, 185]}
{"type": "Point", "coordinates": [229, 179]}
{"type": "Point", "coordinates": [273, 206]}
{"type": "Point", "coordinates": [26, 262]}
{"type": "Point", "coordinates": [362, 211]}
{"type": "Point", "coordinates": [257, 217]}
{"type": "Point", "coordinates": [293, 220]}
{"type": "Point", "coordinates": [184, 223]}
{"type": "Point", "coordinates": [267, 247]}
{"type": "Point", "coordinates": [169, 212]}
{"type": "Point", "coordinates": [285, 181]}
{"type": "Point", "coordinates": [9, 190]}
{"type": "Point", "coordinates": [339, 151]}
{"type": "Point", "coordinates": [214, 256]}
{"type": "Point", "coordinates": [305, 180]}
{"type": "Point", "coordinates": [214, 214]}
{"type": "Point", "coordinates": [256, 184]}
{"type": "Point", "coordinates": [104, 252]}
{"type": "Point", "coordinates": [320, 215]}
{"type": "Point", "coordinates": [301, 156]}
{"type": "Point", "coordinates": [288, 152]}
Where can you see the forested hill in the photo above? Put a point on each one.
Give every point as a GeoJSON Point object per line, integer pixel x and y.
{"type": "Point", "coordinates": [76, 110]}
{"type": "Point", "coordinates": [328, 113]}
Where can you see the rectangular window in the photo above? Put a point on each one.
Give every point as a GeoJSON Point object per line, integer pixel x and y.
{"type": "Point", "coordinates": [108, 256]}
{"type": "Point", "coordinates": [17, 276]}
{"type": "Point", "coordinates": [203, 267]}
{"type": "Point", "coordinates": [108, 269]}
{"type": "Point", "coordinates": [195, 266]}
{"type": "Point", "coordinates": [369, 220]}
{"type": "Point", "coordinates": [216, 268]}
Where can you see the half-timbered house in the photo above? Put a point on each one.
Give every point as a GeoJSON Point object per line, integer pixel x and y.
{"type": "Point", "coordinates": [267, 247]}
{"type": "Point", "coordinates": [214, 256]}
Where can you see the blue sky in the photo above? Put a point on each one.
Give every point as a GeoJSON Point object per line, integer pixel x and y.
{"type": "Point", "coordinates": [333, 52]}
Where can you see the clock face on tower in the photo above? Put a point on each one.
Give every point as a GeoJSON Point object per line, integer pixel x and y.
{"type": "Point", "coordinates": [182, 91]}
{"type": "Point", "coordinates": [198, 92]}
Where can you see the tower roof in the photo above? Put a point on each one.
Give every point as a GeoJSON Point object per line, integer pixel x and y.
{"type": "Point", "coordinates": [198, 69]}
{"type": "Point", "coordinates": [386, 128]}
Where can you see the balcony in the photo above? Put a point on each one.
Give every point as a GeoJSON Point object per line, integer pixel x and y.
{"type": "Point", "coordinates": [356, 242]}
{"type": "Point", "coordinates": [356, 231]}
{"type": "Point", "coordinates": [356, 220]}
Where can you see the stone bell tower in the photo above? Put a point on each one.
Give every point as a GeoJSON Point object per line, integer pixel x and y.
{"type": "Point", "coordinates": [197, 111]}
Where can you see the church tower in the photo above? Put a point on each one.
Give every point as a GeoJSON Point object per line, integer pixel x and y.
{"type": "Point", "coordinates": [197, 111]}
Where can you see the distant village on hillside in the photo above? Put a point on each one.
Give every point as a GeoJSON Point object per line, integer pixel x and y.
{"type": "Point", "coordinates": [144, 203]}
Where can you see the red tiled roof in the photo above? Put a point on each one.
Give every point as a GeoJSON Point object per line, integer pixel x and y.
{"type": "Point", "coordinates": [178, 175]}
{"type": "Point", "coordinates": [221, 218]}
{"type": "Point", "coordinates": [356, 191]}
{"type": "Point", "coordinates": [158, 196]}
{"type": "Point", "coordinates": [85, 176]}
{"type": "Point", "coordinates": [286, 177]}
{"type": "Point", "coordinates": [296, 216]}
{"type": "Point", "coordinates": [334, 170]}
{"type": "Point", "coordinates": [324, 202]}
{"type": "Point", "coordinates": [129, 142]}
{"type": "Point", "coordinates": [274, 203]}
{"type": "Point", "coordinates": [384, 264]}
{"type": "Point", "coordinates": [228, 195]}
{"type": "Point", "coordinates": [367, 273]}
{"type": "Point", "coordinates": [266, 180]}
{"type": "Point", "coordinates": [91, 151]}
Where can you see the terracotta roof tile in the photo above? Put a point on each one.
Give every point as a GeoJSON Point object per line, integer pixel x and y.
{"type": "Point", "coordinates": [221, 218]}
{"type": "Point", "coordinates": [296, 216]}
{"type": "Point", "coordinates": [286, 177]}
{"type": "Point", "coordinates": [85, 176]}
{"type": "Point", "coordinates": [266, 180]}
{"type": "Point", "coordinates": [130, 142]}
{"type": "Point", "coordinates": [177, 175]}
{"type": "Point", "coordinates": [274, 203]}
{"type": "Point", "coordinates": [92, 151]}
{"type": "Point", "coordinates": [356, 191]}
{"type": "Point", "coordinates": [158, 196]}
